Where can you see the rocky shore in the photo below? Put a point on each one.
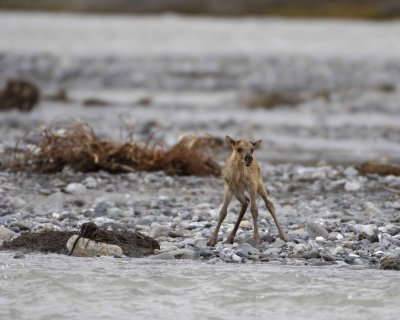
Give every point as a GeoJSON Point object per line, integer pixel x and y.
{"type": "Point", "coordinates": [332, 215]}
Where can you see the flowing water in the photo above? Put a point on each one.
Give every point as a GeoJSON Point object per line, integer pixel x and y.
{"type": "Point", "coordinates": [60, 287]}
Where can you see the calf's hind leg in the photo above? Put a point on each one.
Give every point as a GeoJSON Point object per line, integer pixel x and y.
{"type": "Point", "coordinates": [271, 209]}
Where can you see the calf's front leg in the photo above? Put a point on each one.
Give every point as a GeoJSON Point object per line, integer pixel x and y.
{"type": "Point", "coordinates": [222, 215]}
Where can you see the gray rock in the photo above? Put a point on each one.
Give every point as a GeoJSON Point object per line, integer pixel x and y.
{"type": "Point", "coordinates": [16, 202]}
{"type": "Point", "coordinates": [75, 188]}
{"type": "Point", "coordinates": [393, 229]}
{"type": "Point", "coordinates": [115, 212]}
{"type": "Point", "coordinates": [315, 230]}
{"type": "Point", "coordinates": [271, 252]}
{"type": "Point", "coordinates": [200, 244]}
{"type": "Point", "coordinates": [326, 255]}
{"type": "Point", "coordinates": [385, 240]}
{"type": "Point", "coordinates": [333, 236]}
{"type": "Point", "coordinates": [206, 253]}
{"type": "Point", "coordinates": [19, 224]}
{"type": "Point", "coordinates": [390, 261]}
{"type": "Point", "coordinates": [163, 256]}
{"type": "Point", "coordinates": [278, 243]}
{"type": "Point", "coordinates": [89, 248]}
{"type": "Point", "coordinates": [158, 231]}
{"type": "Point", "coordinates": [313, 254]}
{"type": "Point", "coordinates": [183, 254]}
{"type": "Point", "coordinates": [298, 235]}
{"type": "Point", "coordinates": [246, 249]}
{"type": "Point", "coordinates": [367, 231]}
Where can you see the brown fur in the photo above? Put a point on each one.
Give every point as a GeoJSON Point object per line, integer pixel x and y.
{"type": "Point", "coordinates": [242, 174]}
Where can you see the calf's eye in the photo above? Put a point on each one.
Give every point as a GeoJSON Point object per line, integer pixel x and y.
{"type": "Point", "coordinates": [240, 150]}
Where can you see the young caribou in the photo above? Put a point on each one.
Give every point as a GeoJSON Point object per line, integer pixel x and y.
{"type": "Point", "coordinates": [242, 174]}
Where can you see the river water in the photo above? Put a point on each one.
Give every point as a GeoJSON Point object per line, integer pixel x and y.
{"type": "Point", "coordinates": [60, 287]}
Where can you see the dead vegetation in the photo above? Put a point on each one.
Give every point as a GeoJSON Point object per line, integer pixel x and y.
{"type": "Point", "coordinates": [79, 148]}
{"type": "Point", "coordinates": [271, 100]}
{"type": "Point", "coordinates": [20, 95]}
{"type": "Point", "coordinates": [133, 244]}
{"type": "Point", "coordinates": [379, 168]}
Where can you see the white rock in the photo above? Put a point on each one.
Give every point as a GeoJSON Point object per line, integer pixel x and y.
{"type": "Point", "coordinates": [350, 172]}
{"type": "Point", "coordinates": [236, 258]}
{"type": "Point", "coordinates": [158, 231]}
{"type": "Point", "coordinates": [319, 239]}
{"type": "Point", "coordinates": [90, 183]}
{"type": "Point", "coordinates": [246, 224]}
{"type": "Point", "coordinates": [338, 251]}
{"type": "Point", "coordinates": [300, 249]}
{"type": "Point", "coordinates": [89, 248]}
{"type": "Point", "coordinates": [39, 228]}
{"type": "Point", "coordinates": [7, 234]}
{"type": "Point", "coordinates": [352, 186]}
{"type": "Point", "coordinates": [75, 188]}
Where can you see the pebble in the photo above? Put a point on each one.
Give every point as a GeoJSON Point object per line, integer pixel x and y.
{"type": "Point", "coordinates": [278, 243]}
{"type": "Point", "coordinates": [44, 227]}
{"type": "Point", "coordinates": [368, 231]}
{"type": "Point", "coordinates": [338, 251]}
{"type": "Point", "coordinates": [350, 172]}
{"type": "Point", "coordinates": [19, 224]}
{"type": "Point", "coordinates": [246, 249]}
{"type": "Point", "coordinates": [352, 186]}
{"type": "Point", "coordinates": [158, 231]}
{"type": "Point", "coordinates": [90, 183]}
{"type": "Point", "coordinates": [300, 249]}
{"type": "Point", "coordinates": [75, 188]}
{"type": "Point", "coordinates": [315, 230]}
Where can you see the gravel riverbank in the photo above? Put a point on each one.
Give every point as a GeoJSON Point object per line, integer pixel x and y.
{"type": "Point", "coordinates": [332, 215]}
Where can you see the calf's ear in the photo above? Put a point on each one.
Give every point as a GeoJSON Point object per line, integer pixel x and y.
{"type": "Point", "coordinates": [229, 141]}
{"type": "Point", "coordinates": [256, 143]}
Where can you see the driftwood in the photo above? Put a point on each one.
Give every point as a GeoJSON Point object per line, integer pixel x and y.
{"type": "Point", "coordinates": [378, 168]}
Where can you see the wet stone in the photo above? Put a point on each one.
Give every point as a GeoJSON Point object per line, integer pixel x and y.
{"type": "Point", "coordinates": [75, 188]}
{"type": "Point", "coordinates": [315, 230]}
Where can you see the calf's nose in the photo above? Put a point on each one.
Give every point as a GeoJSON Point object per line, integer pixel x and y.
{"type": "Point", "coordinates": [248, 159]}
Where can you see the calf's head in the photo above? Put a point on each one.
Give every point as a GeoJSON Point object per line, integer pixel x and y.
{"type": "Point", "coordinates": [243, 149]}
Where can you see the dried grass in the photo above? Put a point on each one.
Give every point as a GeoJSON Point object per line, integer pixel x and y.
{"type": "Point", "coordinates": [379, 168]}
{"type": "Point", "coordinates": [79, 148]}
{"type": "Point", "coordinates": [19, 94]}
